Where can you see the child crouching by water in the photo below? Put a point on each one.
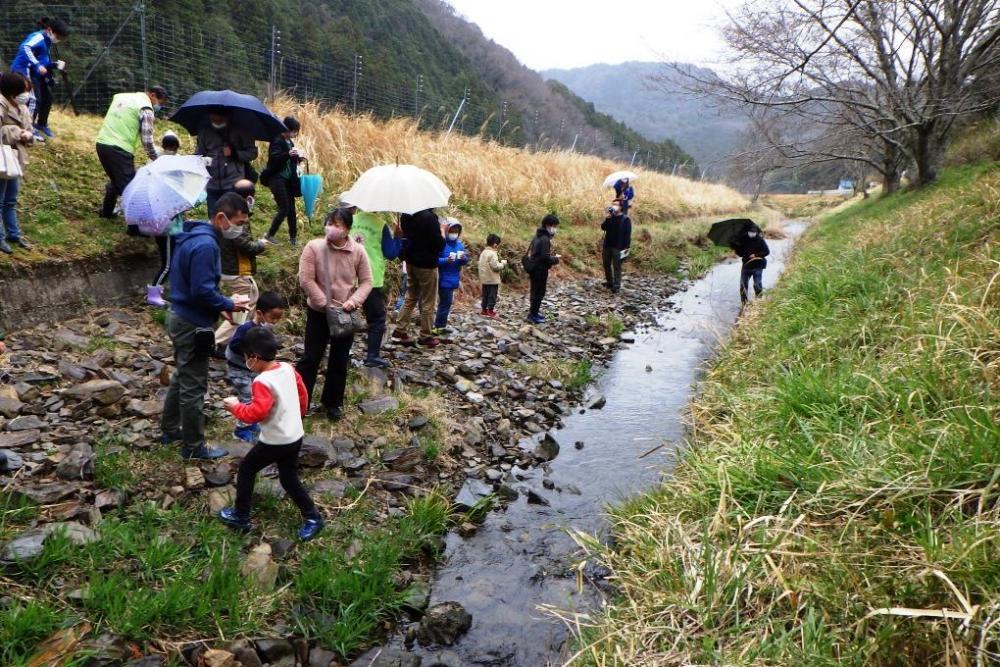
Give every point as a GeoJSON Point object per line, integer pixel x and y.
{"type": "Point", "coordinates": [278, 405]}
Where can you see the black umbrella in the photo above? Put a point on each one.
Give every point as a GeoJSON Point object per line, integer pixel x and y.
{"type": "Point", "coordinates": [725, 232]}
{"type": "Point", "coordinates": [245, 112]}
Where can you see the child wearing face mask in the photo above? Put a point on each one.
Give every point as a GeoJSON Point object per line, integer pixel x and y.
{"type": "Point", "coordinates": [450, 262]}
{"type": "Point", "coordinates": [279, 401]}
{"type": "Point", "coordinates": [269, 311]}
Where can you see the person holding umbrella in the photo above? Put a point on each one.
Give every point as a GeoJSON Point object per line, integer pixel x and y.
{"type": "Point", "coordinates": [282, 176]}
{"type": "Point", "coordinates": [127, 125]}
{"type": "Point", "coordinates": [752, 249]}
{"type": "Point", "coordinates": [624, 193]}
{"type": "Point", "coordinates": [231, 149]}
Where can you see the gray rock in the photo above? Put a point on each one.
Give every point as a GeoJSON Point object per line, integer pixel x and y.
{"type": "Point", "coordinates": [597, 402]}
{"type": "Point", "coordinates": [144, 408]}
{"type": "Point", "coordinates": [535, 499]}
{"type": "Point", "coordinates": [47, 493]}
{"type": "Point", "coordinates": [10, 406]}
{"type": "Point", "coordinates": [19, 439]}
{"type": "Point", "coordinates": [31, 543]}
{"type": "Point", "coordinates": [10, 461]}
{"type": "Point", "coordinates": [472, 492]}
{"type": "Point", "coordinates": [245, 653]}
{"type": "Point", "coordinates": [320, 657]}
{"type": "Point", "coordinates": [316, 452]}
{"type": "Point", "coordinates": [25, 423]}
{"type": "Point", "coordinates": [388, 657]}
{"type": "Point", "coordinates": [547, 449]}
{"type": "Point", "coordinates": [416, 423]}
{"type": "Point", "coordinates": [147, 661]}
{"type": "Point", "coordinates": [443, 624]}
{"type": "Point", "coordinates": [403, 459]}
{"type": "Point", "coordinates": [78, 464]}
{"type": "Point", "coordinates": [105, 392]}
{"type": "Point", "coordinates": [417, 598]}
{"type": "Point", "coordinates": [396, 481]}
{"type": "Point", "coordinates": [334, 488]}
{"type": "Point", "coordinates": [277, 652]}
{"type": "Point", "coordinates": [377, 406]}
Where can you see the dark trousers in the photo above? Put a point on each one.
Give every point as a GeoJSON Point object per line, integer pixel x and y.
{"type": "Point", "coordinates": [446, 297]}
{"type": "Point", "coordinates": [286, 457]}
{"type": "Point", "coordinates": [43, 96]}
{"type": "Point", "coordinates": [165, 247]}
{"type": "Point", "coordinates": [490, 294]}
{"type": "Point", "coordinates": [184, 407]}
{"type": "Point", "coordinates": [374, 307]}
{"type": "Point", "coordinates": [317, 338]}
{"type": "Point", "coordinates": [119, 165]}
{"type": "Point", "coordinates": [757, 273]}
{"type": "Point", "coordinates": [281, 188]}
{"type": "Point", "coordinates": [539, 283]}
{"type": "Point", "coordinates": [612, 260]}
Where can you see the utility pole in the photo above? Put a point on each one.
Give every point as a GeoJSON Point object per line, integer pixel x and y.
{"type": "Point", "coordinates": [416, 96]}
{"type": "Point", "coordinates": [633, 158]}
{"type": "Point", "coordinates": [461, 105]}
{"type": "Point", "coordinates": [500, 120]}
{"type": "Point", "coordinates": [272, 83]}
{"type": "Point", "coordinates": [575, 137]}
{"type": "Point", "coordinates": [357, 75]}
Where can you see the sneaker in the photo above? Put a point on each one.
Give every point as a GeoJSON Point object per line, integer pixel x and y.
{"type": "Point", "coordinates": [536, 319]}
{"type": "Point", "coordinates": [376, 362]}
{"type": "Point", "coordinates": [400, 335]}
{"type": "Point", "coordinates": [429, 341]}
{"type": "Point", "coordinates": [23, 243]}
{"type": "Point", "coordinates": [219, 352]}
{"type": "Point", "coordinates": [168, 438]}
{"type": "Point", "coordinates": [270, 239]}
{"type": "Point", "coordinates": [294, 242]}
{"type": "Point", "coordinates": [334, 414]}
{"type": "Point", "coordinates": [228, 516]}
{"type": "Point", "coordinates": [44, 129]}
{"type": "Point", "coordinates": [5, 247]}
{"type": "Point", "coordinates": [203, 452]}
{"type": "Point", "coordinates": [38, 137]}
{"type": "Point", "coordinates": [247, 433]}
{"type": "Point", "coordinates": [491, 313]}
{"type": "Point", "coordinates": [310, 529]}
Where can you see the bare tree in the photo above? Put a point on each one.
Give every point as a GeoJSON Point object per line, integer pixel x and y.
{"type": "Point", "coordinates": [880, 82]}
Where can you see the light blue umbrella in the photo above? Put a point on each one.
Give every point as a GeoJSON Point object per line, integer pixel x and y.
{"type": "Point", "coordinates": [311, 186]}
{"type": "Point", "coordinates": [169, 185]}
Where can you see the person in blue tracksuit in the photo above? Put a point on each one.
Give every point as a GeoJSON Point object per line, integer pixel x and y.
{"type": "Point", "coordinates": [34, 61]}
{"type": "Point", "coordinates": [624, 193]}
{"type": "Point", "coordinates": [453, 257]}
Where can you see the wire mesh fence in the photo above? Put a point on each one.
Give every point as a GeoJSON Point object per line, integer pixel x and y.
{"type": "Point", "coordinates": [118, 47]}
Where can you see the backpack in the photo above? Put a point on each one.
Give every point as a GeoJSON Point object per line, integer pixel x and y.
{"type": "Point", "coordinates": [529, 263]}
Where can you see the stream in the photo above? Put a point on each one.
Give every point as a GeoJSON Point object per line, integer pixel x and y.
{"type": "Point", "coordinates": [522, 558]}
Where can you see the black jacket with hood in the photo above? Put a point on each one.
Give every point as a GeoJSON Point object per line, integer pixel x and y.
{"type": "Point", "coordinates": [746, 246]}
{"type": "Point", "coordinates": [423, 239]}
{"type": "Point", "coordinates": [540, 251]}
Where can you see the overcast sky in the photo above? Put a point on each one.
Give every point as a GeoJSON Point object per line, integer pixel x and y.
{"type": "Point", "coordinates": [546, 34]}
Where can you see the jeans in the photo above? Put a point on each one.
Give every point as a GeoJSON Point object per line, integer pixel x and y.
{"type": "Point", "coordinates": [539, 283]}
{"type": "Point", "coordinates": [317, 338]}
{"type": "Point", "coordinates": [237, 285]}
{"type": "Point", "coordinates": [281, 188]}
{"type": "Point", "coordinates": [374, 307]}
{"type": "Point", "coordinates": [184, 407]}
{"type": "Point", "coordinates": [287, 459]}
{"type": "Point", "coordinates": [612, 260]}
{"type": "Point", "coordinates": [422, 290]}
{"type": "Point", "coordinates": [402, 292]}
{"type": "Point", "coordinates": [446, 296]}
{"type": "Point", "coordinates": [8, 209]}
{"type": "Point", "coordinates": [758, 286]}
{"type": "Point", "coordinates": [490, 294]}
{"type": "Point", "coordinates": [119, 165]}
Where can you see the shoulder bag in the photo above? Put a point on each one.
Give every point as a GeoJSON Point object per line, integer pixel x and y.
{"type": "Point", "coordinates": [340, 322]}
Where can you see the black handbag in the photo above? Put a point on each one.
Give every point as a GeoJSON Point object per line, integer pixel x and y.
{"type": "Point", "coordinates": [340, 322]}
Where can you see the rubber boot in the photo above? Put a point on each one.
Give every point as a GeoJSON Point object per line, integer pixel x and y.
{"type": "Point", "coordinates": [154, 296]}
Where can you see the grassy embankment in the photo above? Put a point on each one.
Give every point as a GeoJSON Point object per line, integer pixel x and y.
{"type": "Point", "coordinates": [496, 189]}
{"type": "Point", "coordinates": [838, 502]}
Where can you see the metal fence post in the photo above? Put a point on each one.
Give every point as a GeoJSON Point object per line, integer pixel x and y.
{"type": "Point", "coordinates": [142, 40]}
{"type": "Point", "coordinates": [461, 105]}
{"type": "Point", "coordinates": [354, 90]}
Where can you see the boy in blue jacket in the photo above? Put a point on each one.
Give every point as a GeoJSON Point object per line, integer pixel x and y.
{"type": "Point", "coordinates": [195, 304]}
{"type": "Point", "coordinates": [453, 257]}
{"type": "Point", "coordinates": [34, 62]}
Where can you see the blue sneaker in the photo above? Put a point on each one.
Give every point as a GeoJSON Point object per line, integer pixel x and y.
{"type": "Point", "coordinates": [248, 433]}
{"type": "Point", "coordinates": [44, 129]}
{"type": "Point", "coordinates": [228, 516]}
{"type": "Point", "coordinates": [536, 319]}
{"type": "Point", "coordinates": [310, 528]}
{"type": "Point", "coordinates": [203, 452]}
{"type": "Point", "coordinates": [167, 438]}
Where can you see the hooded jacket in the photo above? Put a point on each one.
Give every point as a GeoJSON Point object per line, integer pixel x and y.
{"type": "Point", "coordinates": [423, 239]}
{"type": "Point", "coordinates": [195, 270]}
{"type": "Point", "coordinates": [541, 251]}
{"type": "Point", "coordinates": [225, 171]}
{"type": "Point", "coordinates": [617, 232]}
{"type": "Point", "coordinates": [746, 246]}
{"type": "Point", "coordinates": [239, 255]}
{"type": "Point", "coordinates": [450, 273]}
{"type": "Point", "coordinates": [490, 266]}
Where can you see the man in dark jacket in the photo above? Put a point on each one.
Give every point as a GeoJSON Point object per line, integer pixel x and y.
{"type": "Point", "coordinates": [752, 248]}
{"type": "Point", "coordinates": [540, 260]}
{"type": "Point", "coordinates": [231, 149]}
{"type": "Point", "coordinates": [195, 304]}
{"type": "Point", "coordinates": [424, 242]}
{"type": "Point", "coordinates": [239, 265]}
{"type": "Point", "coordinates": [282, 176]}
{"type": "Point", "coordinates": [617, 239]}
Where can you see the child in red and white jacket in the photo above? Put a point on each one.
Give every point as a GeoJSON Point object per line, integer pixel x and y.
{"type": "Point", "coordinates": [279, 401]}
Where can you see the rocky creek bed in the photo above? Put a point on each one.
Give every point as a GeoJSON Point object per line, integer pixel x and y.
{"type": "Point", "coordinates": [79, 409]}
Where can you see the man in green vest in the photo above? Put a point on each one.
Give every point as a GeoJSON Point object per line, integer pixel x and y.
{"type": "Point", "coordinates": [381, 244]}
{"type": "Point", "coordinates": [127, 126]}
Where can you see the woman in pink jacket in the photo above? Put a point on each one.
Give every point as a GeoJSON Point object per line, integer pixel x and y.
{"type": "Point", "coordinates": [338, 261]}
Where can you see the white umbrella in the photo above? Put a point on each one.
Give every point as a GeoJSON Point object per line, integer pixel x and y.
{"type": "Point", "coordinates": [169, 185]}
{"type": "Point", "coordinates": [397, 188]}
{"type": "Point", "coordinates": [610, 181]}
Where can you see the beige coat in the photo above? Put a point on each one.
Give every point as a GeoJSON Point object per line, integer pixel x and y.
{"type": "Point", "coordinates": [490, 266]}
{"type": "Point", "coordinates": [14, 120]}
{"type": "Point", "coordinates": [347, 267]}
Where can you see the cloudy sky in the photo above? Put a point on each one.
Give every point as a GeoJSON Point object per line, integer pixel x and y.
{"type": "Point", "coordinates": [572, 33]}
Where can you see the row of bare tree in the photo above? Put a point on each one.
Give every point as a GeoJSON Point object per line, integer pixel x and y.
{"type": "Point", "coordinates": [877, 85]}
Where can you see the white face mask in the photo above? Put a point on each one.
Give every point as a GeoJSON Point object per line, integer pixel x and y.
{"type": "Point", "coordinates": [551, 230]}
{"type": "Point", "coordinates": [219, 126]}
{"type": "Point", "coordinates": [249, 368]}
{"type": "Point", "coordinates": [752, 235]}
{"type": "Point", "coordinates": [452, 237]}
{"type": "Point", "coordinates": [232, 231]}
{"type": "Point", "coordinates": [23, 98]}
{"type": "Point", "coordinates": [55, 39]}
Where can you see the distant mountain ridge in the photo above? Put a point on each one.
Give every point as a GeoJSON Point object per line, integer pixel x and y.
{"type": "Point", "coordinates": [658, 110]}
